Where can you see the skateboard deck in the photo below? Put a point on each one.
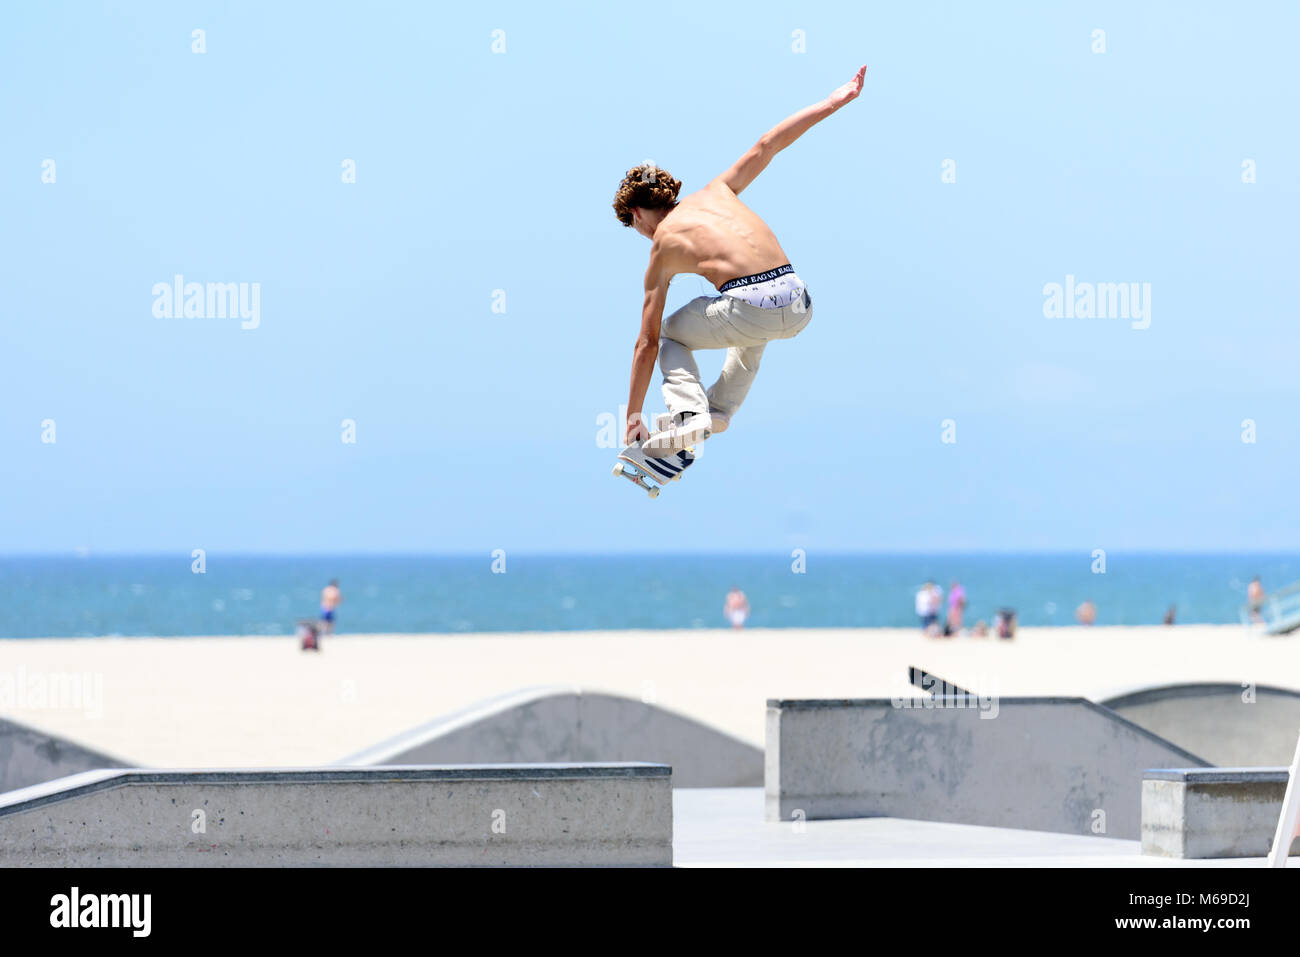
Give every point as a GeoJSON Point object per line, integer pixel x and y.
{"type": "Point", "coordinates": [653, 473]}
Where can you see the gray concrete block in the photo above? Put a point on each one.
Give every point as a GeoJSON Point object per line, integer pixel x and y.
{"type": "Point", "coordinates": [1050, 764]}
{"type": "Point", "coordinates": [467, 816]}
{"type": "Point", "coordinates": [1209, 813]}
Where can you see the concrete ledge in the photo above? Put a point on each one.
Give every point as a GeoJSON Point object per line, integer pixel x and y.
{"type": "Point", "coordinates": [1050, 764]}
{"type": "Point", "coordinates": [1212, 812]}
{"type": "Point", "coordinates": [1216, 775]}
{"type": "Point", "coordinates": [454, 816]}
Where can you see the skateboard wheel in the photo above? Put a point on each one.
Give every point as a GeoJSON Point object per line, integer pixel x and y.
{"type": "Point", "coordinates": [618, 468]}
{"type": "Point", "coordinates": [654, 492]}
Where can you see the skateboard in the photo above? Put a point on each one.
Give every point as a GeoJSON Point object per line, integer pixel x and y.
{"type": "Point", "coordinates": [652, 473]}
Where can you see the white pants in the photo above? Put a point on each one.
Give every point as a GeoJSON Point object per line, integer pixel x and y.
{"type": "Point", "coordinates": [721, 322]}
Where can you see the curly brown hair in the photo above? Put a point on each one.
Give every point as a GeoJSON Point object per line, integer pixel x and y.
{"type": "Point", "coordinates": [648, 187]}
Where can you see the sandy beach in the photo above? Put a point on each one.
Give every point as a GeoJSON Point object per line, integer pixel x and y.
{"type": "Point", "coordinates": [223, 702]}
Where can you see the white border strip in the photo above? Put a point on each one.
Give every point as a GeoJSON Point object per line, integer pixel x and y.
{"type": "Point", "coordinates": [1288, 825]}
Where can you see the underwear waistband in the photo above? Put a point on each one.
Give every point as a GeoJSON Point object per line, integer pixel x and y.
{"type": "Point", "coordinates": [756, 278]}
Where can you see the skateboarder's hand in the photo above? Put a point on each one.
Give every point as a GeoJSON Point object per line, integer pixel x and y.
{"type": "Point", "coordinates": [636, 429]}
{"type": "Point", "coordinates": [849, 91]}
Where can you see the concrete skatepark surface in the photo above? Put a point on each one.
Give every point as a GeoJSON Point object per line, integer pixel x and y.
{"type": "Point", "coordinates": [260, 702]}
{"type": "Point", "coordinates": [724, 827]}
{"type": "Point", "coordinates": [554, 724]}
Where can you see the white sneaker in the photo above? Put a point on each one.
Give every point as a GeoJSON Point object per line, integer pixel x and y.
{"type": "Point", "coordinates": [691, 431]}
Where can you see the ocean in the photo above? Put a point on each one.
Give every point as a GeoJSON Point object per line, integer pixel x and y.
{"type": "Point", "coordinates": [266, 595]}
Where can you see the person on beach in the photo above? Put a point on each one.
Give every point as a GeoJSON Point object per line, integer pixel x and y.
{"type": "Point", "coordinates": [1086, 614]}
{"type": "Point", "coordinates": [929, 602]}
{"type": "Point", "coordinates": [956, 608]}
{"type": "Point", "coordinates": [736, 608]}
{"type": "Point", "coordinates": [1004, 623]}
{"type": "Point", "coordinates": [1255, 598]}
{"type": "Point", "coordinates": [713, 234]}
{"type": "Point", "coordinates": [330, 599]}
{"type": "Point", "coordinates": [923, 603]}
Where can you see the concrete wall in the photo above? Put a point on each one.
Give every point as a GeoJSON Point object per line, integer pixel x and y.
{"type": "Point", "coordinates": [29, 756]}
{"type": "Point", "coordinates": [1218, 812]}
{"type": "Point", "coordinates": [1212, 720]}
{"type": "Point", "coordinates": [550, 724]}
{"type": "Point", "coordinates": [1040, 763]}
{"type": "Point", "coordinates": [492, 815]}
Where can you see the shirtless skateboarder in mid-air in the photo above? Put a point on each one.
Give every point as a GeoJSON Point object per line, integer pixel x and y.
{"type": "Point", "coordinates": [712, 234]}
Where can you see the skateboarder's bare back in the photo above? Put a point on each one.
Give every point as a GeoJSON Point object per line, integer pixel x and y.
{"type": "Point", "coordinates": [713, 234]}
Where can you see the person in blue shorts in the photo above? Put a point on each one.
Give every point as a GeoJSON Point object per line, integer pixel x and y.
{"type": "Point", "coordinates": [330, 599]}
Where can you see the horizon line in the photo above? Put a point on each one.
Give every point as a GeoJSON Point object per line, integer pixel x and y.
{"type": "Point", "coordinates": [649, 553]}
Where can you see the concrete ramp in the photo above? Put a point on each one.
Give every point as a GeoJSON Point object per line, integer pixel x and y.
{"type": "Point", "coordinates": [562, 724]}
{"type": "Point", "coordinates": [493, 815]}
{"type": "Point", "coordinates": [1050, 764]}
{"type": "Point", "coordinates": [1213, 720]}
{"type": "Point", "coordinates": [29, 756]}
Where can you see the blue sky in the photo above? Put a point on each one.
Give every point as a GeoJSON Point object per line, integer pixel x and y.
{"type": "Point", "coordinates": [478, 171]}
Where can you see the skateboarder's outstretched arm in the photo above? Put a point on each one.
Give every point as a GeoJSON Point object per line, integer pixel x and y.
{"type": "Point", "coordinates": [746, 169]}
{"type": "Point", "coordinates": [657, 277]}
